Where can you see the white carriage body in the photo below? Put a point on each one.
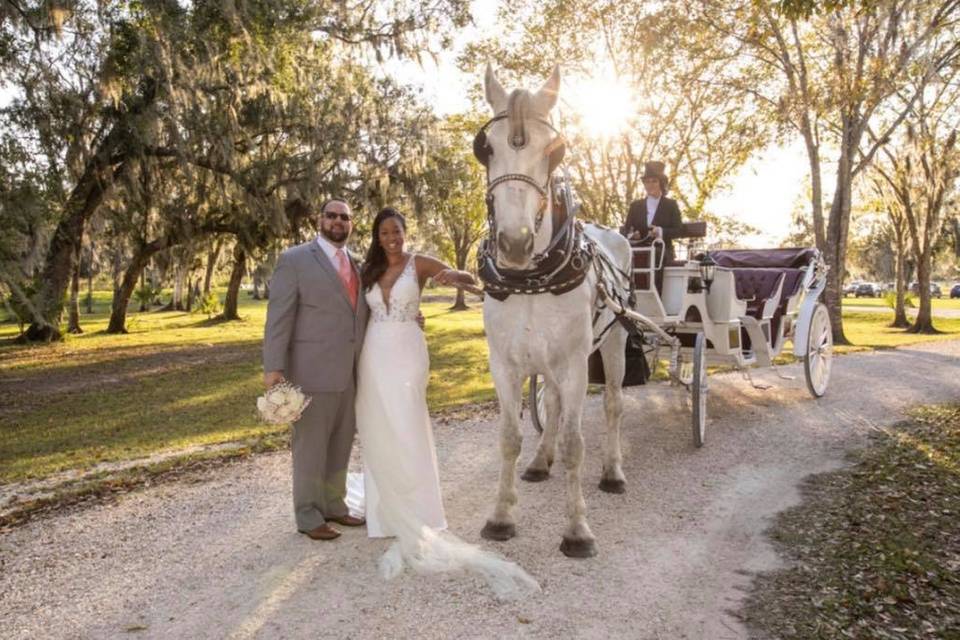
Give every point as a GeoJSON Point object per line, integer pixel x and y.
{"type": "Point", "coordinates": [687, 306]}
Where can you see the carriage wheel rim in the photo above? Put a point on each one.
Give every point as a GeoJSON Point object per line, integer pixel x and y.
{"type": "Point", "coordinates": [820, 351]}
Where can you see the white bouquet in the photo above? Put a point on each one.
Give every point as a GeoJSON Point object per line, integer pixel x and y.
{"type": "Point", "coordinates": [283, 403]}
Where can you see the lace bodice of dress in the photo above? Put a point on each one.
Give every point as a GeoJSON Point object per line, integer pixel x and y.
{"type": "Point", "coordinates": [404, 298]}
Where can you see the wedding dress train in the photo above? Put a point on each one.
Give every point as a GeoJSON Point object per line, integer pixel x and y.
{"type": "Point", "coordinates": [401, 482]}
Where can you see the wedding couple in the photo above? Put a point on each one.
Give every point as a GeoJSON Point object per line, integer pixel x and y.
{"type": "Point", "coordinates": [350, 336]}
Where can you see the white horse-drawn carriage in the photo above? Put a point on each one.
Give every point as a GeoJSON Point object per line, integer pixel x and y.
{"type": "Point", "coordinates": [735, 308]}
{"type": "Point", "coordinates": [566, 303]}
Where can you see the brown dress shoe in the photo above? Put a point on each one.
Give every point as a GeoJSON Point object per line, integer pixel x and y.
{"type": "Point", "coordinates": [348, 520]}
{"type": "Point", "coordinates": [323, 532]}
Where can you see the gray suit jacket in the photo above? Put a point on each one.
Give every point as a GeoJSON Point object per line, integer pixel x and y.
{"type": "Point", "coordinates": [312, 333]}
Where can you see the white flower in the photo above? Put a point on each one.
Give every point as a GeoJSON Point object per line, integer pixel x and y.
{"type": "Point", "coordinates": [262, 404]}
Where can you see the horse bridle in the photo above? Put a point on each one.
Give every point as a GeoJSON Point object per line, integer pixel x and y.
{"type": "Point", "coordinates": [482, 151]}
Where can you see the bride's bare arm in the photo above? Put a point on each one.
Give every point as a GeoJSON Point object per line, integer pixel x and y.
{"type": "Point", "coordinates": [430, 267]}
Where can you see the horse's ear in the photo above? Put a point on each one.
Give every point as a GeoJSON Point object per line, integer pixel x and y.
{"type": "Point", "coordinates": [546, 98]}
{"type": "Point", "coordinates": [495, 93]}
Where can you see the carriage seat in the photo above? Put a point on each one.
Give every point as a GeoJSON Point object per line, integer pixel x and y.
{"type": "Point", "coordinates": [757, 287]}
{"type": "Point", "coordinates": [796, 258]}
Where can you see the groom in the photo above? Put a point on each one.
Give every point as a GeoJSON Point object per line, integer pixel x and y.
{"type": "Point", "coordinates": [316, 319]}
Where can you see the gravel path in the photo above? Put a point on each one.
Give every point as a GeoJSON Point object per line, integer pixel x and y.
{"type": "Point", "coordinates": [217, 556]}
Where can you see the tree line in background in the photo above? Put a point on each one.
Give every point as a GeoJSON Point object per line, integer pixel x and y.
{"type": "Point", "coordinates": [159, 139]}
{"type": "Point", "coordinates": [864, 85]}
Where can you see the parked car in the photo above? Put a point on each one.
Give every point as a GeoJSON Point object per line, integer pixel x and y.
{"type": "Point", "coordinates": [851, 288]}
{"type": "Point", "coordinates": [867, 290]}
{"type": "Point", "coordinates": [955, 291]}
{"type": "Point", "coordinates": [935, 291]}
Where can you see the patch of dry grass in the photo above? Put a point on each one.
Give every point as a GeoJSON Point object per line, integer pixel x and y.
{"type": "Point", "coordinates": [874, 550]}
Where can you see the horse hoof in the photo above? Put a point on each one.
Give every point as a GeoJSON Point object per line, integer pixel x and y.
{"type": "Point", "coordinates": [612, 485]}
{"type": "Point", "coordinates": [578, 547]}
{"type": "Point", "coordinates": [498, 531]}
{"type": "Point", "coordinates": [535, 475]}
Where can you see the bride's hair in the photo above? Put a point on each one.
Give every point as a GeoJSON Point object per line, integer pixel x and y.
{"type": "Point", "coordinates": [375, 263]}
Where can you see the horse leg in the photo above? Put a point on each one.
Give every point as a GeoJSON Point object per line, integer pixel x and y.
{"type": "Point", "coordinates": [501, 525]}
{"type": "Point", "coordinates": [612, 479]}
{"type": "Point", "coordinates": [578, 540]}
{"type": "Point", "coordinates": [539, 468]}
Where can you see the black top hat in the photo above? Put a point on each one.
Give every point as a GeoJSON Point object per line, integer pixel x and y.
{"type": "Point", "coordinates": [654, 169]}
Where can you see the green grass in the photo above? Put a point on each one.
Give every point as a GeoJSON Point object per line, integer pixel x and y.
{"type": "Point", "coordinates": [178, 380]}
{"type": "Point", "coordinates": [935, 304]}
{"type": "Point", "coordinates": [875, 547]}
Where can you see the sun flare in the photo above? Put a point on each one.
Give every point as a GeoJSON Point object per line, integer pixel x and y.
{"type": "Point", "coordinates": [602, 105]}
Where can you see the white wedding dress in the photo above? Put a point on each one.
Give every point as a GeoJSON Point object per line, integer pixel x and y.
{"type": "Point", "coordinates": [401, 481]}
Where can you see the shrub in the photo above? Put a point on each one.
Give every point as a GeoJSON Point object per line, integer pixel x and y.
{"type": "Point", "coordinates": [909, 300]}
{"type": "Point", "coordinates": [208, 304]}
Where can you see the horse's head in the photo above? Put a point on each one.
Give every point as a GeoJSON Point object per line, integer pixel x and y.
{"type": "Point", "coordinates": [520, 149]}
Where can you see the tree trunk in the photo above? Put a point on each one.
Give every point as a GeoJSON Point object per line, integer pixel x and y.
{"type": "Point", "coordinates": [233, 289]}
{"type": "Point", "coordinates": [900, 320]}
{"type": "Point", "coordinates": [192, 292]}
{"type": "Point", "coordinates": [179, 275]}
{"type": "Point", "coordinates": [212, 258]}
{"type": "Point", "coordinates": [121, 298]}
{"type": "Point", "coordinates": [73, 324]}
{"type": "Point", "coordinates": [256, 283]}
{"type": "Point", "coordinates": [836, 243]}
{"type": "Point", "coordinates": [460, 304]}
{"type": "Point", "coordinates": [924, 320]}
{"type": "Point", "coordinates": [90, 292]}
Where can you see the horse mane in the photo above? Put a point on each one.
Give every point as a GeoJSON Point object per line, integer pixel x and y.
{"type": "Point", "coordinates": [518, 108]}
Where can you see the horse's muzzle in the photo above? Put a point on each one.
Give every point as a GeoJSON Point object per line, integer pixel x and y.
{"type": "Point", "coordinates": [515, 250]}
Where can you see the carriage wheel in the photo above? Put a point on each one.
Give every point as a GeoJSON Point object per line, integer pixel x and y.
{"type": "Point", "coordinates": [698, 389]}
{"type": "Point", "coordinates": [537, 402]}
{"type": "Point", "coordinates": [817, 362]}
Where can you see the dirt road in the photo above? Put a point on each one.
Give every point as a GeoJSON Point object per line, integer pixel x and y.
{"type": "Point", "coordinates": [217, 557]}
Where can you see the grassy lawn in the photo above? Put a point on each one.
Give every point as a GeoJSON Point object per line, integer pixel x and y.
{"type": "Point", "coordinates": [936, 303]}
{"type": "Point", "coordinates": [175, 380]}
{"type": "Point", "coordinates": [179, 379]}
{"type": "Point", "coordinates": [874, 548]}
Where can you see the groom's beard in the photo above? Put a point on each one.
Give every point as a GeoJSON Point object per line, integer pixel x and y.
{"type": "Point", "coordinates": [337, 235]}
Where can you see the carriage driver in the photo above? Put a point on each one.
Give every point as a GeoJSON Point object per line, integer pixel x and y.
{"type": "Point", "coordinates": [656, 216]}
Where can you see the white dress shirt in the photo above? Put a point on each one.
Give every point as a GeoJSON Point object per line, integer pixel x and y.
{"type": "Point", "coordinates": [652, 204]}
{"type": "Point", "coordinates": [331, 250]}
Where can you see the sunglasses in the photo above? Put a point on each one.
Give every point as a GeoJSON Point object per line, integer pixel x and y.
{"type": "Point", "coordinates": [333, 215]}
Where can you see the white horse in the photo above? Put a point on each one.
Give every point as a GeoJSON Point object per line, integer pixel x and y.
{"type": "Point", "coordinates": [543, 333]}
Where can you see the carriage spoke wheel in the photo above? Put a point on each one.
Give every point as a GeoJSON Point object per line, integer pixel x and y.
{"type": "Point", "coordinates": [698, 389]}
{"type": "Point", "coordinates": [536, 399]}
{"type": "Point", "coordinates": [819, 358]}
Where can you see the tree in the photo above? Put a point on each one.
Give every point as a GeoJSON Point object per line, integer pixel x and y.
{"type": "Point", "coordinates": [920, 176]}
{"type": "Point", "coordinates": [896, 233]}
{"type": "Point", "coordinates": [450, 193]}
{"type": "Point", "coordinates": [665, 65]}
{"type": "Point", "coordinates": [121, 81]}
{"type": "Point", "coordinates": [832, 77]}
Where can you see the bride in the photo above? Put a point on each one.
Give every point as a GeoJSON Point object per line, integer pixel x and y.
{"type": "Point", "coordinates": [401, 480]}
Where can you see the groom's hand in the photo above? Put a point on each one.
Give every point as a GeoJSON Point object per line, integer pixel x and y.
{"type": "Point", "coordinates": [271, 378]}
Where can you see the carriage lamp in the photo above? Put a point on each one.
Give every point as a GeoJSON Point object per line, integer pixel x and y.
{"type": "Point", "coordinates": [707, 269]}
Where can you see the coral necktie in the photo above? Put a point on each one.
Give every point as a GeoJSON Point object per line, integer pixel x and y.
{"type": "Point", "coordinates": [347, 276]}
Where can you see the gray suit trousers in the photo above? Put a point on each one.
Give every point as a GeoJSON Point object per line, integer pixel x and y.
{"type": "Point", "coordinates": [321, 444]}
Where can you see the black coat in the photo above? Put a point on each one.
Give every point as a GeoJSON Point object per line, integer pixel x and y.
{"type": "Point", "coordinates": [666, 217]}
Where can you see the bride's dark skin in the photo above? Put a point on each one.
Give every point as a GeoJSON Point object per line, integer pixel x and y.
{"type": "Point", "coordinates": [392, 239]}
